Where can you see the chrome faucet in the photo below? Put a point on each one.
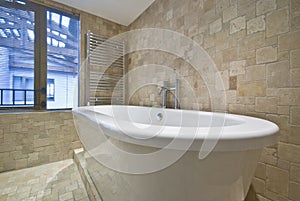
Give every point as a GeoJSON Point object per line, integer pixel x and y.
{"type": "Point", "coordinates": [164, 91]}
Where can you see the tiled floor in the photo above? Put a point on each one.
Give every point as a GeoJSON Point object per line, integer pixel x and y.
{"type": "Point", "coordinates": [55, 181]}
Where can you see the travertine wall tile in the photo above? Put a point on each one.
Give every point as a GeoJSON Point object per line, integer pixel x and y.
{"type": "Point", "coordinates": [237, 24]}
{"type": "Point", "coordinates": [269, 156]}
{"type": "Point", "coordinates": [247, 8]}
{"type": "Point", "coordinates": [266, 104]}
{"type": "Point", "coordinates": [256, 24]}
{"type": "Point", "coordinates": [221, 5]}
{"type": "Point", "coordinates": [259, 185]}
{"type": "Point", "coordinates": [295, 58]}
{"type": "Point", "coordinates": [289, 96]}
{"type": "Point", "coordinates": [230, 13]}
{"type": "Point", "coordinates": [265, 6]}
{"type": "Point", "coordinates": [277, 180]}
{"type": "Point", "coordinates": [260, 171]}
{"type": "Point", "coordinates": [252, 42]}
{"type": "Point", "coordinates": [266, 54]}
{"type": "Point", "coordinates": [278, 22]}
{"type": "Point", "coordinates": [278, 74]}
{"type": "Point", "coordinates": [35, 137]}
{"type": "Point", "coordinates": [237, 67]}
{"type": "Point", "coordinates": [252, 89]}
{"type": "Point", "coordinates": [295, 173]}
{"type": "Point", "coordinates": [215, 26]}
{"type": "Point", "coordinates": [295, 115]}
{"type": "Point", "coordinates": [289, 41]}
{"type": "Point", "coordinates": [294, 136]}
{"type": "Point", "coordinates": [256, 72]}
{"type": "Point", "coordinates": [294, 191]}
{"type": "Point", "coordinates": [295, 77]}
{"type": "Point", "coordinates": [289, 152]}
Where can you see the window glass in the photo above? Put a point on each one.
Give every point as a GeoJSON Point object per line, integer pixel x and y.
{"type": "Point", "coordinates": [62, 59]}
{"type": "Point", "coordinates": [16, 56]}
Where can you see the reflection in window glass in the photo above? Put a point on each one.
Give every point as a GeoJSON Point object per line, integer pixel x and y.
{"type": "Point", "coordinates": [16, 56]}
{"type": "Point", "coordinates": [62, 60]}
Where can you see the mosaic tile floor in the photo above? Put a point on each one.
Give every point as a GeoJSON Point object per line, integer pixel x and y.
{"type": "Point", "coordinates": [56, 181]}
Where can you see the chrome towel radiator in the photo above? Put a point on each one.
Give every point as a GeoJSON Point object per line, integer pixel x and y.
{"type": "Point", "coordinates": [105, 70]}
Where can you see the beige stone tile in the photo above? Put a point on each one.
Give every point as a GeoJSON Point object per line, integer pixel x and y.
{"type": "Point", "coordinates": [289, 152]}
{"type": "Point", "coordinates": [231, 96]}
{"type": "Point", "coordinates": [237, 24]}
{"type": "Point", "coordinates": [283, 164]}
{"type": "Point", "coordinates": [215, 26]}
{"type": "Point", "coordinates": [233, 83]}
{"type": "Point", "coordinates": [209, 42]}
{"type": "Point", "coordinates": [247, 8]}
{"type": "Point", "coordinates": [222, 83]}
{"type": "Point", "coordinates": [295, 115]}
{"type": "Point", "coordinates": [275, 196]}
{"type": "Point", "coordinates": [266, 104]}
{"type": "Point", "coordinates": [260, 171]}
{"type": "Point", "coordinates": [295, 77]}
{"type": "Point", "coordinates": [256, 24]}
{"type": "Point", "coordinates": [277, 180]}
{"type": "Point", "coordinates": [230, 13]}
{"type": "Point", "coordinates": [283, 109]}
{"type": "Point", "coordinates": [289, 41]}
{"type": "Point", "coordinates": [294, 191]}
{"type": "Point", "coordinates": [283, 122]}
{"type": "Point", "coordinates": [221, 5]}
{"type": "Point", "coordinates": [252, 42]}
{"type": "Point", "coordinates": [237, 67]}
{"type": "Point", "coordinates": [230, 54]}
{"type": "Point", "coordinates": [66, 196]}
{"type": "Point", "coordinates": [266, 54]}
{"type": "Point", "coordinates": [255, 73]}
{"type": "Point", "coordinates": [46, 182]}
{"type": "Point", "coordinates": [294, 136]}
{"type": "Point", "coordinates": [295, 173]}
{"type": "Point", "coordinates": [277, 22]}
{"type": "Point", "coordinates": [259, 185]}
{"type": "Point", "coordinates": [278, 74]}
{"type": "Point", "coordinates": [257, 88]}
{"type": "Point", "coordinates": [295, 58]}
{"type": "Point", "coordinates": [282, 3]}
{"type": "Point", "coordinates": [288, 96]}
{"type": "Point", "coordinates": [269, 156]}
{"type": "Point", "coordinates": [283, 56]}
{"type": "Point", "coordinates": [265, 6]}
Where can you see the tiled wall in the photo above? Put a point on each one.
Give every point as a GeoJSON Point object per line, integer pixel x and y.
{"type": "Point", "coordinates": [30, 139]}
{"type": "Point", "coordinates": [255, 45]}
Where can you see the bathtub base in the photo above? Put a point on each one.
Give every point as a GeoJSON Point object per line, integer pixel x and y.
{"type": "Point", "coordinates": [222, 176]}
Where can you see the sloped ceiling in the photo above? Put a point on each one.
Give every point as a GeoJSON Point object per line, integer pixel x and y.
{"type": "Point", "coordinates": [120, 11]}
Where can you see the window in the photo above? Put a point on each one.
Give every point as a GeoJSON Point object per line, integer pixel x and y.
{"type": "Point", "coordinates": [31, 75]}
{"type": "Point", "coordinates": [50, 90]}
{"type": "Point", "coordinates": [22, 84]}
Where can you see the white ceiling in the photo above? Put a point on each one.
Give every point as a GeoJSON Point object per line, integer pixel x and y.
{"type": "Point", "coordinates": [120, 11]}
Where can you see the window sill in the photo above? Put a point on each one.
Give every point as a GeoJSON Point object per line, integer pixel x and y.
{"type": "Point", "coordinates": [18, 110]}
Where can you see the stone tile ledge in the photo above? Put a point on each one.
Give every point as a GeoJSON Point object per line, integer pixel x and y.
{"type": "Point", "coordinates": [80, 161]}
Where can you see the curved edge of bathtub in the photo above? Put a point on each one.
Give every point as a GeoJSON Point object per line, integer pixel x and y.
{"type": "Point", "coordinates": [230, 138]}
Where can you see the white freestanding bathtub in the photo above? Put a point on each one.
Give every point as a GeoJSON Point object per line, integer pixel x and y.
{"type": "Point", "coordinates": [155, 154]}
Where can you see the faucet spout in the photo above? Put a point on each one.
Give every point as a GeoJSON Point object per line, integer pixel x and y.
{"type": "Point", "coordinates": [164, 91]}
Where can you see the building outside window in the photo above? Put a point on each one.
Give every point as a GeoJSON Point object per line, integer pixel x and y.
{"type": "Point", "coordinates": [18, 56]}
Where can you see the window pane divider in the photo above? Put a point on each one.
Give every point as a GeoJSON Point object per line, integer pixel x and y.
{"type": "Point", "coordinates": [40, 60]}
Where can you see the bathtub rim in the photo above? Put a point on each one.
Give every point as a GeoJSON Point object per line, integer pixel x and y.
{"type": "Point", "coordinates": [245, 141]}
